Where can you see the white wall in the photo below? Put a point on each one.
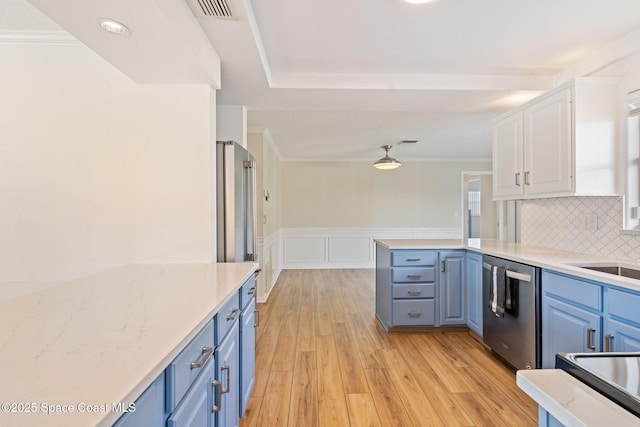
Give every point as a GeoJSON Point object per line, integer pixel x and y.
{"type": "Point", "coordinates": [95, 170]}
{"type": "Point", "coordinates": [232, 124]}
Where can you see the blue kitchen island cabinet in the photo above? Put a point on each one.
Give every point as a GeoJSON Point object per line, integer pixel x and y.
{"type": "Point", "coordinates": [202, 386]}
{"type": "Point", "coordinates": [419, 287]}
{"type": "Point", "coordinates": [453, 309]}
{"type": "Point", "coordinates": [248, 326]}
{"type": "Point", "coordinates": [474, 291]}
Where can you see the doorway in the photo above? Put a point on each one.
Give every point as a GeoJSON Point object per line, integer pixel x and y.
{"type": "Point", "coordinates": [482, 217]}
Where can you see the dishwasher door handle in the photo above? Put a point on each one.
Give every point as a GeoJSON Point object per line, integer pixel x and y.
{"type": "Point", "coordinates": [511, 274]}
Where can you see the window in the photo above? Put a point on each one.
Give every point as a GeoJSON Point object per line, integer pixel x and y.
{"type": "Point", "coordinates": [632, 202]}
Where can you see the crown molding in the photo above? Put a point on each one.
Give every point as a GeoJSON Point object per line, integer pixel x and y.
{"type": "Point", "coordinates": [37, 38]}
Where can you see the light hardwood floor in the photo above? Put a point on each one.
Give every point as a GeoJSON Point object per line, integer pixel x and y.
{"type": "Point", "coordinates": [323, 359]}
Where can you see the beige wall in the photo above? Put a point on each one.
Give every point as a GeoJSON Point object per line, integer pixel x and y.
{"type": "Point", "coordinates": [354, 194]}
{"type": "Point", "coordinates": [263, 149]}
{"type": "Point", "coordinates": [97, 171]}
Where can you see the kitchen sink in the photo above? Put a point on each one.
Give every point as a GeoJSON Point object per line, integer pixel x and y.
{"type": "Point", "coordinates": [616, 270]}
{"type": "Point", "coordinates": [615, 375]}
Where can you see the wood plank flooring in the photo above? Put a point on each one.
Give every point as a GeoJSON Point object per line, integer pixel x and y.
{"type": "Point", "coordinates": [323, 359]}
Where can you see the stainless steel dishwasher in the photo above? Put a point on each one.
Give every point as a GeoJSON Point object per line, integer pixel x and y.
{"type": "Point", "coordinates": [514, 335]}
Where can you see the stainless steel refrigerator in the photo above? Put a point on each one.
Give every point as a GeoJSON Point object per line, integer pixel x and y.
{"type": "Point", "coordinates": [236, 203]}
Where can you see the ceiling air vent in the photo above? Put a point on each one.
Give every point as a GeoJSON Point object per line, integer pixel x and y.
{"type": "Point", "coordinates": [211, 9]}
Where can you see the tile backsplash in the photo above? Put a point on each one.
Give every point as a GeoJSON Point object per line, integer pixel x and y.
{"type": "Point", "coordinates": [562, 223]}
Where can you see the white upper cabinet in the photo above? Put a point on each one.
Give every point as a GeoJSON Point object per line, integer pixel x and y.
{"type": "Point", "coordinates": [559, 144]}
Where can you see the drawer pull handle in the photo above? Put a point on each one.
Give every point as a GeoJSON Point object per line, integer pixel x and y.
{"type": "Point", "coordinates": [228, 369]}
{"type": "Point", "coordinates": [413, 276]}
{"type": "Point", "coordinates": [414, 314]}
{"type": "Point", "coordinates": [233, 315]}
{"type": "Point", "coordinates": [214, 384]}
{"type": "Point", "coordinates": [252, 291]}
{"type": "Point", "coordinates": [256, 322]}
{"type": "Point", "coordinates": [414, 293]}
{"type": "Point", "coordinates": [608, 340]}
{"type": "Point", "coordinates": [412, 259]}
{"type": "Point", "coordinates": [590, 332]}
{"type": "Point", "coordinates": [202, 359]}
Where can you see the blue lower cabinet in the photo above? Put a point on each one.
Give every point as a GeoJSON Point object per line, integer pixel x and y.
{"type": "Point", "coordinates": [474, 292]}
{"type": "Point", "coordinates": [149, 408]}
{"type": "Point", "coordinates": [196, 409]}
{"type": "Point", "coordinates": [453, 307]}
{"type": "Point", "coordinates": [545, 419]}
{"type": "Point", "coordinates": [227, 374]}
{"type": "Point", "coordinates": [247, 350]}
{"type": "Point", "coordinates": [567, 329]}
{"type": "Point", "coordinates": [621, 337]}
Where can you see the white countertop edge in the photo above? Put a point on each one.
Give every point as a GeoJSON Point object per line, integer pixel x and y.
{"type": "Point", "coordinates": [111, 417]}
{"type": "Point", "coordinates": [570, 401]}
{"type": "Point", "coordinates": [545, 258]}
{"type": "Point", "coordinates": [62, 319]}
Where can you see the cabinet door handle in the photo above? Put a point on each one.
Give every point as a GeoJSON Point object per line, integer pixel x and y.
{"type": "Point", "coordinates": [251, 291]}
{"type": "Point", "coordinates": [526, 178]}
{"type": "Point", "coordinates": [413, 276]}
{"type": "Point", "coordinates": [412, 259]}
{"type": "Point", "coordinates": [590, 332]}
{"type": "Point", "coordinates": [517, 179]}
{"type": "Point", "coordinates": [444, 266]}
{"type": "Point", "coordinates": [233, 315]}
{"type": "Point", "coordinates": [202, 359]}
{"type": "Point", "coordinates": [414, 293]}
{"type": "Point", "coordinates": [228, 369]}
{"type": "Point", "coordinates": [414, 314]}
{"type": "Point", "coordinates": [214, 384]}
{"type": "Point", "coordinates": [256, 322]}
{"type": "Point", "coordinates": [608, 341]}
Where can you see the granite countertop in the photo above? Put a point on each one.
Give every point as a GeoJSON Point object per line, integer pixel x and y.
{"type": "Point", "coordinates": [103, 339]}
{"type": "Point", "coordinates": [552, 259]}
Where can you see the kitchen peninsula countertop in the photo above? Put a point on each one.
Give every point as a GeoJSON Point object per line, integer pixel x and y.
{"type": "Point", "coordinates": [104, 339]}
{"type": "Point", "coordinates": [566, 398]}
{"type": "Point", "coordinates": [552, 259]}
{"type": "Point", "coordinates": [572, 402]}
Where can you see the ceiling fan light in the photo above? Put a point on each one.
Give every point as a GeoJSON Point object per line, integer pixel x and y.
{"type": "Point", "coordinates": [387, 163]}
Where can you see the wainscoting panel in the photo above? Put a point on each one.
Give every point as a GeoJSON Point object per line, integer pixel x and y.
{"type": "Point", "coordinates": [305, 250]}
{"type": "Point", "coordinates": [310, 248]}
{"type": "Point", "coordinates": [349, 249]}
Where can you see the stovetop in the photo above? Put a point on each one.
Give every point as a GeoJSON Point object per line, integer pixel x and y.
{"type": "Point", "coordinates": [615, 375]}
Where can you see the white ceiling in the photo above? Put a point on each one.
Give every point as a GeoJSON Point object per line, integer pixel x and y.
{"type": "Point", "coordinates": [338, 78]}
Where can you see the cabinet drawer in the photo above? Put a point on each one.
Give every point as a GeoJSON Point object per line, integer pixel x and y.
{"type": "Point", "coordinates": [414, 312]}
{"type": "Point", "coordinates": [415, 291]}
{"type": "Point", "coordinates": [228, 314]}
{"type": "Point", "coordinates": [187, 365]}
{"type": "Point", "coordinates": [574, 290]}
{"type": "Point", "coordinates": [247, 291]}
{"type": "Point", "coordinates": [624, 305]}
{"type": "Point", "coordinates": [407, 258]}
{"type": "Point", "coordinates": [408, 275]}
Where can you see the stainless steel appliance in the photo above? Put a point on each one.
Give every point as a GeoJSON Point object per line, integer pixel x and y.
{"type": "Point", "coordinates": [236, 203]}
{"type": "Point", "coordinates": [514, 333]}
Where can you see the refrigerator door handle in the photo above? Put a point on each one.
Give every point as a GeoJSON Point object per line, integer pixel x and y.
{"type": "Point", "coordinates": [251, 214]}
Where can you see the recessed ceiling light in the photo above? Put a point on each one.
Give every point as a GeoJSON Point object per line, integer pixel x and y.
{"type": "Point", "coordinates": [114, 27]}
{"type": "Point", "coordinates": [418, 1]}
